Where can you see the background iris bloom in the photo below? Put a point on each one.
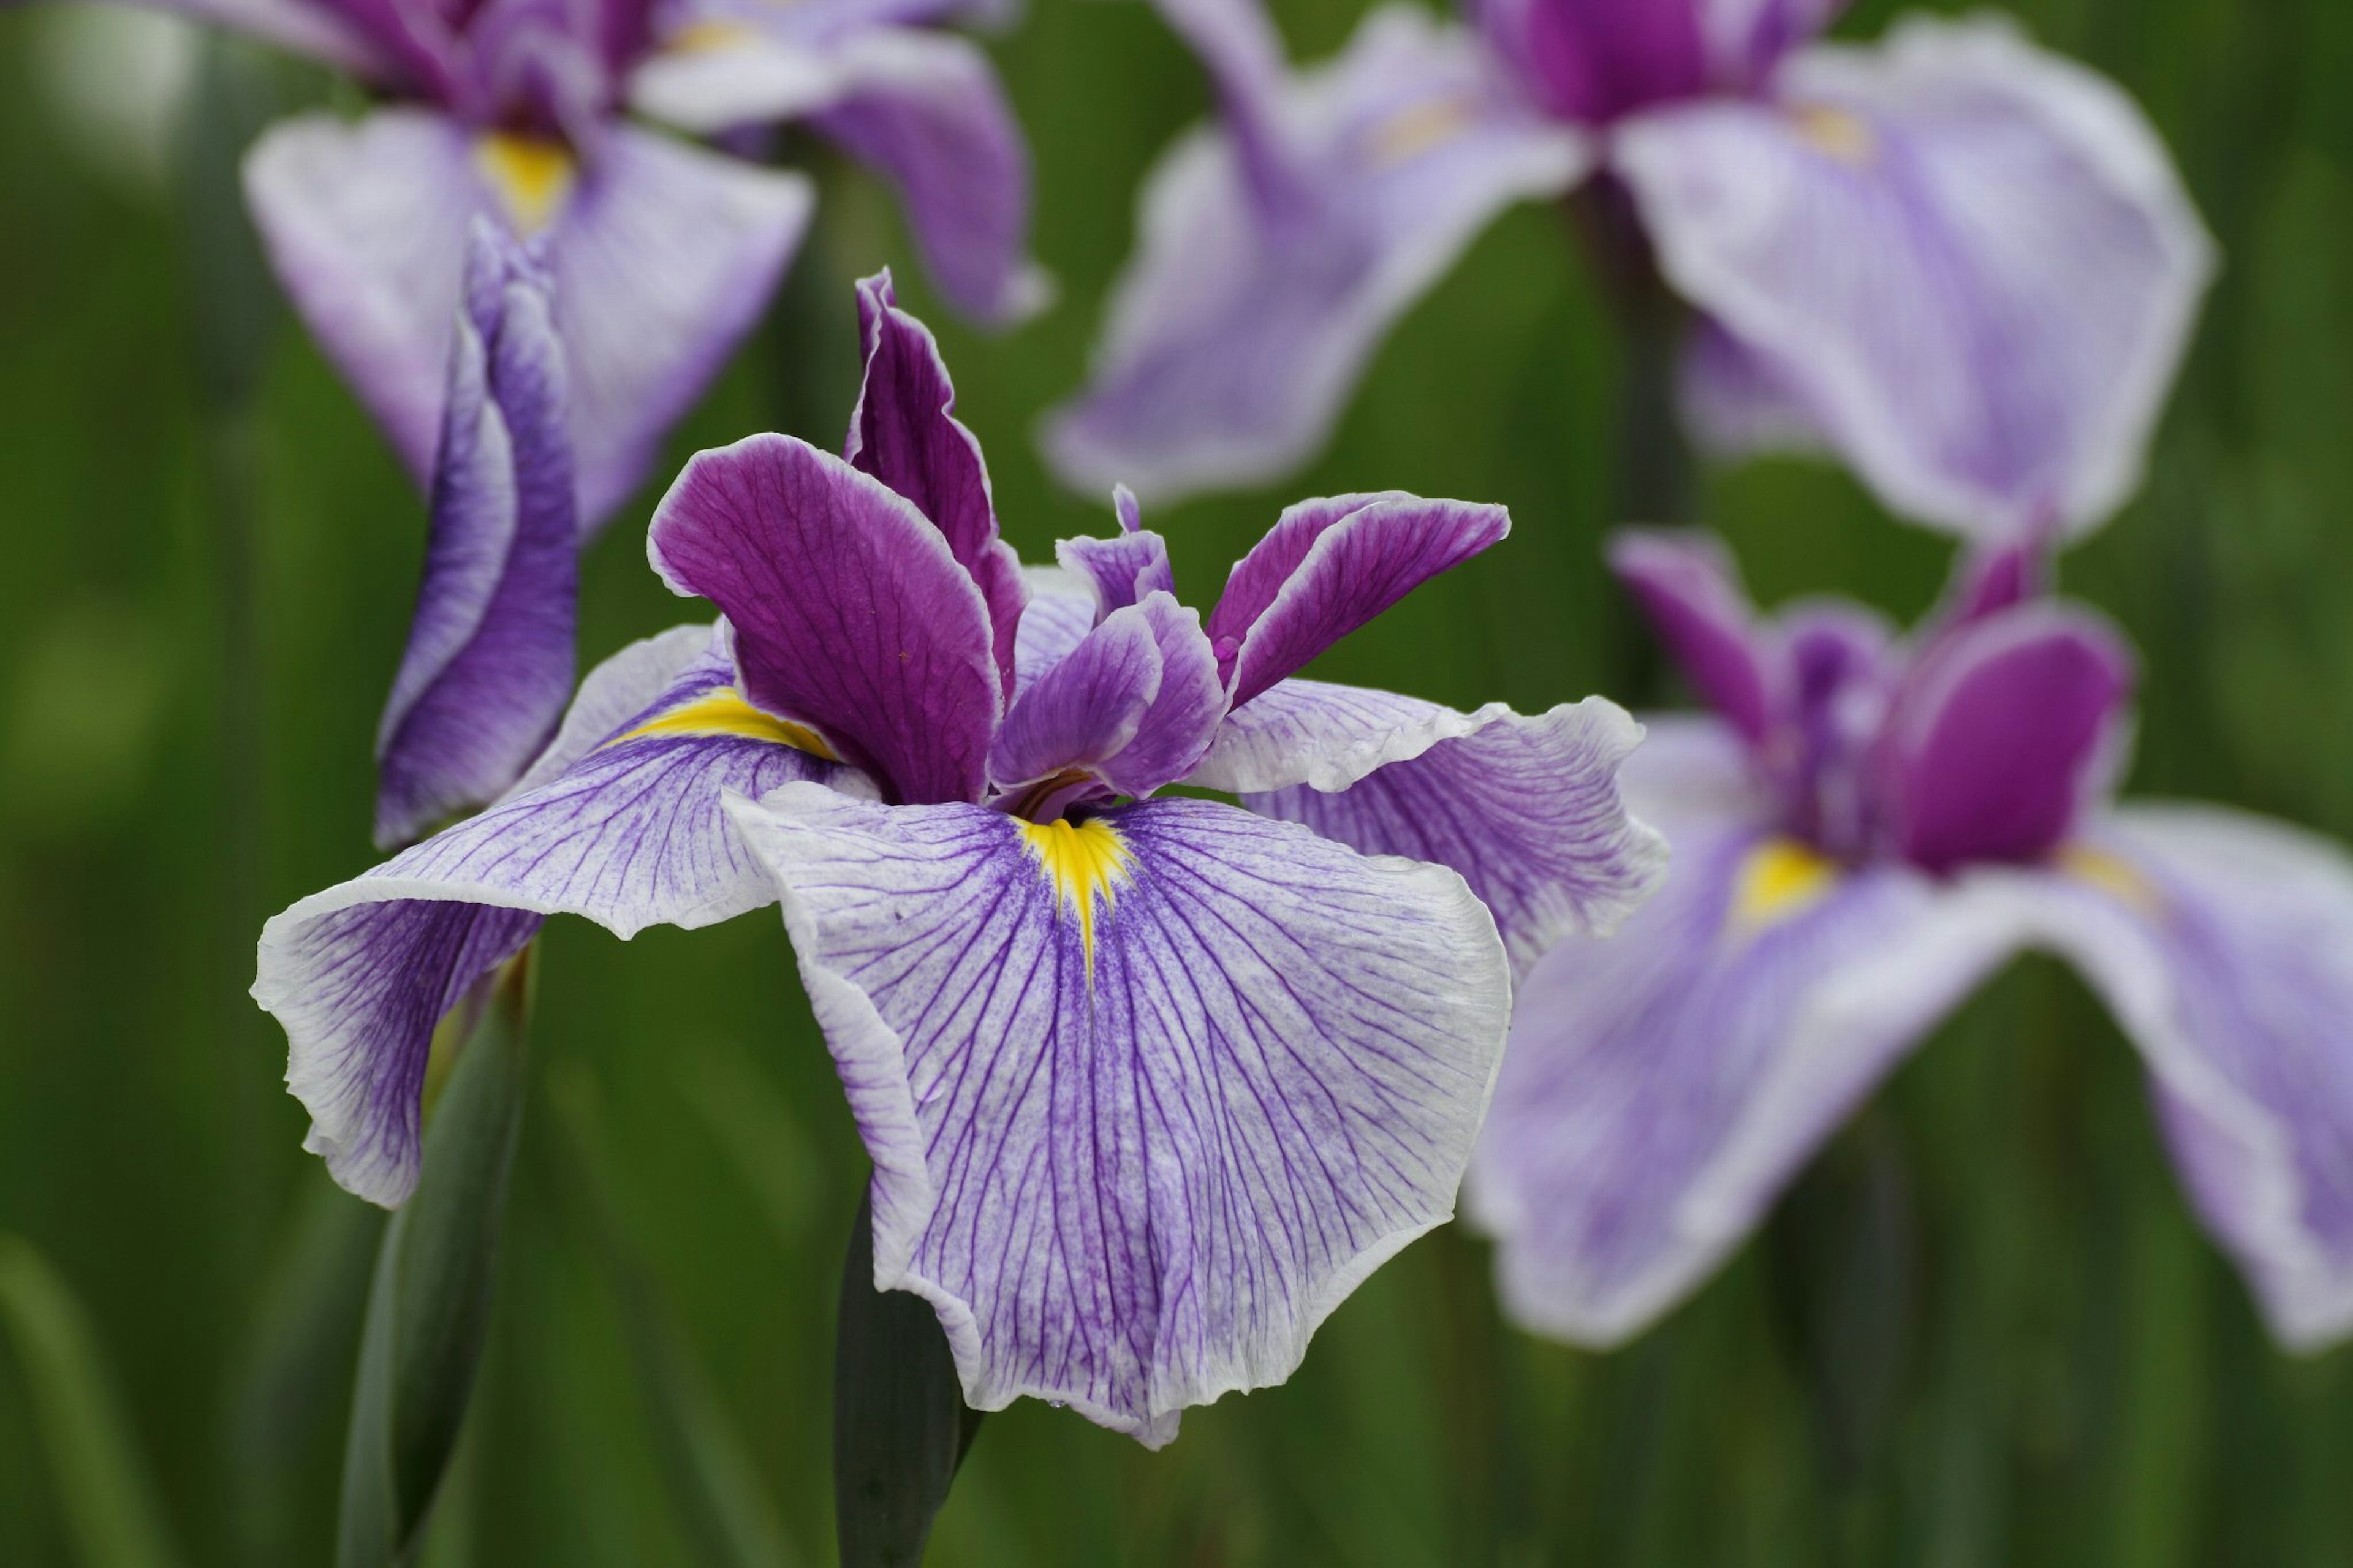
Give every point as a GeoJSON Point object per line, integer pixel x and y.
{"type": "Point", "coordinates": [1961, 264]}
{"type": "Point", "coordinates": [1863, 832]}
{"type": "Point", "coordinates": [1149, 1084]}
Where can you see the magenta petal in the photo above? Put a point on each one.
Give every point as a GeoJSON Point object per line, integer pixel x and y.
{"type": "Point", "coordinates": [1086, 707]}
{"type": "Point", "coordinates": [905, 432]}
{"type": "Point", "coordinates": [1328, 566]}
{"type": "Point", "coordinates": [1125, 567]}
{"type": "Point", "coordinates": [850, 612]}
{"type": "Point", "coordinates": [1688, 584]}
{"type": "Point", "coordinates": [2003, 734]}
{"type": "Point", "coordinates": [1593, 60]}
{"type": "Point", "coordinates": [490, 660]}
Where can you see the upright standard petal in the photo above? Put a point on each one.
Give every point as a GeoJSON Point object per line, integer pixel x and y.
{"type": "Point", "coordinates": [1250, 305]}
{"type": "Point", "coordinates": [1661, 1088]}
{"type": "Point", "coordinates": [620, 821]}
{"type": "Point", "coordinates": [850, 612]}
{"type": "Point", "coordinates": [1527, 809]}
{"type": "Point", "coordinates": [490, 658]}
{"type": "Point", "coordinates": [1328, 566]}
{"type": "Point", "coordinates": [1148, 1095]}
{"type": "Point", "coordinates": [1689, 587]}
{"type": "Point", "coordinates": [2225, 945]}
{"type": "Point", "coordinates": [1124, 567]}
{"type": "Point", "coordinates": [319, 31]}
{"type": "Point", "coordinates": [1133, 706]}
{"type": "Point", "coordinates": [905, 432]}
{"type": "Point", "coordinates": [2005, 730]}
{"type": "Point", "coordinates": [1594, 60]}
{"type": "Point", "coordinates": [1968, 260]}
{"type": "Point", "coordinates": [663, 255]}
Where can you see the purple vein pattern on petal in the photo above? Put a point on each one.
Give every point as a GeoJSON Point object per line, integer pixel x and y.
{"type": "Point", "coordinates": [1690, 588]}
{"type": "Point", "coordinates": [1527, 809]}
{"type": "Point", "coordinates": [2225, 945]}
{"type": "Point", "coordinates": [1246, 314]}
{"type": "Point", "coordinates": [850, 614]}
{"type": "Point", "coordinates": [2002, 734]}
{"type": "Point", "coordinates": [663, 257]}
{"type": "Point", "coordinates": [1328, 566]}
{"type": "Point", "coordinates": [1661, 1088]}
{"type": "Point", "coordinates": [1967, 260]}
{"type": "Point", "coordinates": [905, 432]}
{"type": "Point", "coordinates": [630, 834]}
{"type": "Point", "coordinates": [1135, 1163]}
{"type": "Point", "coordinates": [490, 657]}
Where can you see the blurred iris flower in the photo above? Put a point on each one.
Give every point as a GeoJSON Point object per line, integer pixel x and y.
{"type": "Point", "coordinates": [1864, 830]}
{"type": "Point", "coordinates": [663, 254]}
{"type": "Point", "coordinates": [1961, 264]}
{"type": "Point", "coordinates": [1150, 1083]}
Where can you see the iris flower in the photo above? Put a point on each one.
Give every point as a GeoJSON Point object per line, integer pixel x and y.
{"type": "Point", "coordinates": [663, 253]}
{"type": "Point", "coordinates": [1864, 830]}
{"type": "Point", "coordinates": [1961, 263]}
{"type": "Point", "coordinates": [1149, 1083]}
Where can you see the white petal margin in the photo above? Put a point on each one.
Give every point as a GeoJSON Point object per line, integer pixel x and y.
{"type": "Point", "coordinates": [1135, 1185]}
{"type": "Point", "coordinates": [1967, 259]}
{"type": "Point", "coordinates": [2225, 944]}
{"type": "Point", "coordinates": [1527, 809]}
{"type": "Point", "coordinates": [1241, 322]}
{"type": "Point", "coordinates": [1662, 1088]}
{"type": "Point", "coordinates": [628, 832]}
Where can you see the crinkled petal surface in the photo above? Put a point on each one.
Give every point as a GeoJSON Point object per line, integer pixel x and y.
{"type": "Point", "coordinates": [1146, 1097]}
{"type": "Point", "coordinates": [850, 613]}
{"type": "Point", "coordinates": [628, 833]}
{"type": "Point", "coordinates": [1968, 260]}
{"type": "Point", "coordinates": [1250, 305]}
{"type": "Point", "coordinates": [1661, 1088]}
{"type": "Point", "coordinates": [663, 255]}
{"type": "Point", "coordinates": [1527, 809]}
{"type": "Point", "coordinates": [490, 658]}
{"type": "Point", "coordinates": [2225, 945]}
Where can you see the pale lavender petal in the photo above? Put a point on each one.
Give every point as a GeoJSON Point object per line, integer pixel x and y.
{"type": "Point", "coordinates": [490, 658]}
{"type": "Point", "coordinates": [850, 613]}
{"type": "Point", "coordinates": [663, 255]}
{"type": "Point", "coordinates": [1135, 1135]}
{"type": "Point", "coordinates": [1245, 316]}
{"type": "Point", "coordinates": [312, 29]}
{"type": "Point", "coordinates": [1186, 711]}
{"type": "Point", "coordinates": [1737, 404]}
{"type": "Point", "coordinates": [1689, 587]}
{"type": "Point", "coordinates": [1063, 607]}
{"type": "Point", "coordinates": [630, 834]}
{"type": "Point", "coordinates": [2224, 943]}
{"type": "Point", "coordinates": [1747, 39]}
{"type": "Point", "coordinates": [1662, 1086]}
{"type": "Point", "coordinates": [1969, 261]}
{"type": "Point", "coordinates": [1328, 566]}
{"type": "Point", "coordinates": [2007, 730]}
{"type": "Point", "coordinates": [1527, 809]}
{"type": "Point", "coordinates": [1124, 568]}
{"type": "Point", "coordinates": [905, 432]}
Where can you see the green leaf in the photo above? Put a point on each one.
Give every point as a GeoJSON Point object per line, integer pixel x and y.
{"type": "Point", "coordinates": [900, 1428]}
{"type": "Point", "coordinates": [429, 1306]}
{"type": "Point", "coordinates": [103, 1489]}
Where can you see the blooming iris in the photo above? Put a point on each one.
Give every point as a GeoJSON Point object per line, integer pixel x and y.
{"type": "Point", "coordinates": [1863, 831]}
{"type": "Point", "coordinates": [662, 254]}
{"type": "Point", "coordinates": [1149, 1083]}
{"type": "Point", "coordinates": [1962, 263]}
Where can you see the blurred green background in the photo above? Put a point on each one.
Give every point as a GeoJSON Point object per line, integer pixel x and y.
{"type": "Point", "coordinates": [1983, 1331]}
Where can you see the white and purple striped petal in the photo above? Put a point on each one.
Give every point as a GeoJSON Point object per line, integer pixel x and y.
{"type": "Point", "coordinates": [852, 613]}
{"type": "Point", "coordinates": [1148, 1095]}
{"type": "Point", "coordinates": [1527, 810]}
{"type": "Point", "coordinates": [1275, 250]}
{"type": "Point", "coordinates": [1661, 1088]}
{"type": "Point", "coordinates": [620, 821]}
{"type": "Point", "coordinates": [1328, 566]}
{"type": "Point", "coordinates": [1966, 261]}
{"type": "Point", "coordinates": [663, 255]}
{"type": "Point", "coordinates": [490, 658]}
{"type": "Point", "coordinates": [1124, 567]}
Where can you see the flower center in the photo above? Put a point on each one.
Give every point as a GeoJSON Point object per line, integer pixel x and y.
{"type": "Point", "coordinates": [1083, 862]}
{"type": "Point", "coordinates": [530, 175]}
{"type": "Point", "coordinates": [1778, 879]}
{"type": "Point", "coordinates": [721, 710]}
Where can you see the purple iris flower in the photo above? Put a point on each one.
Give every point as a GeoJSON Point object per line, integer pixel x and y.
{"type": "Point", "coordinates": [489, 659]}
{"type": "Point", "coordinates": [1961, 263]}
{"type": "Point", "coordinates": [1149, 1083]}
{"type": "Point", "coordinates": [1864, 831]}
{"type": "Point", "coordinates": [663, 254]}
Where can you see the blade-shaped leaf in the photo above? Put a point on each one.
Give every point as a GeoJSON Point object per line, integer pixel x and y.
{"type": "Point", "coordinates": [900, 1428]}
{"type": "Point", "coordinates": [429, 1306]}
{"type": "Point", "coordinates": [103, 1487]}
